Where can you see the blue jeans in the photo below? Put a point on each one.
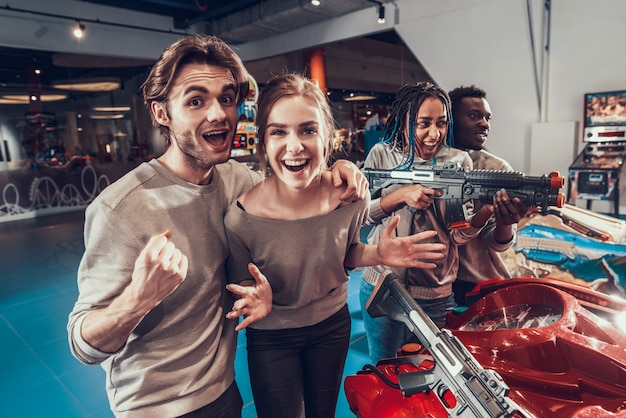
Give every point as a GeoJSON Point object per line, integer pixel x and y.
{"type": "Point", "coordinates": [385, 336]}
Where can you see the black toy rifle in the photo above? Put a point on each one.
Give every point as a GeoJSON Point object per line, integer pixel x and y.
{"type": "Point", "coordinates": [459, 186]}
{"type": "Point", "coordinates": [477, 392]}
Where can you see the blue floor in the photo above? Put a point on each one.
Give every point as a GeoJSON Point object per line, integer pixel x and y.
{"type": "Point", "coordinates": [38, 375]}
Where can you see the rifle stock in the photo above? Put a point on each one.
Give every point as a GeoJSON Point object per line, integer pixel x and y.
{"type": "Point", "coordinates": [477, 392]}
{"type": "Point", "coordinates": [459, 186]}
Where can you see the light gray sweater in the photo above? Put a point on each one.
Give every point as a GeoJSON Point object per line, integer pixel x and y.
{"type": "Point", "coordinates": [181, 356]}
{"type": "Point", "coordinates": [302, 259]}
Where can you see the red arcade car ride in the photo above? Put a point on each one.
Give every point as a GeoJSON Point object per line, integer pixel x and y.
{"type": "Point", "coordinates": [527, 347]}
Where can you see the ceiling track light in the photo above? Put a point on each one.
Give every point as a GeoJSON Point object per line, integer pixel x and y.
{"type": "Point", "coordinates": [381, 14]}
{"type": "Point", "coordinates": [81, 26]}
{"type": "Point", "coordinates": [316, 2]}
{"type": "Point", "coordinates": [381, 10]}
{"type": "Point", "coordinates": [79, 30]}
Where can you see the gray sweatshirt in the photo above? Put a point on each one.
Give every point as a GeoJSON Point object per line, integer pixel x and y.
{"type": "Point", "coordinates": [181, 356]}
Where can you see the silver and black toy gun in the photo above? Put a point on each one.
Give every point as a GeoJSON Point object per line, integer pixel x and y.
{"type": "Point", "coordinates": [477, 392]}
{"type": "Point", "coordinates": [458, 186]}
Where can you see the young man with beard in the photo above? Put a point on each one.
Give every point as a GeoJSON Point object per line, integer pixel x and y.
{"type": "Point", "coordinates": [480, 259]}
{"type": "Point", "coordinates": [153, 308]}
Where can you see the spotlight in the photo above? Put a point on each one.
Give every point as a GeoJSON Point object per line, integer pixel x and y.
{"type": "Point", "coordinates": [381, 14]}
{"type": "Point", "coordinates": [79, 30]}
{"type": "Point", "coordinates": [315, 2]}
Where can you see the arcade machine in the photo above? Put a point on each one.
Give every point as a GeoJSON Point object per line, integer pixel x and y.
{"type": "Point", "coordinates": [245, 140]}
{"type": "Point", "coordinates": [595, 173]}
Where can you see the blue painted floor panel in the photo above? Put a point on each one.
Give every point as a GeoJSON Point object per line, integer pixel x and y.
{"type": "Point", "coordinates": [39, 377]}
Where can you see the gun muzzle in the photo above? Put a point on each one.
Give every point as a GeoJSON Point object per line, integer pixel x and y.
{"type": "Point", "coordinates": [556, 180]}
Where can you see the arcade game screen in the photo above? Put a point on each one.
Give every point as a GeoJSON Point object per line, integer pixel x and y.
{"type": "Point", "coordinates": [606, 109]}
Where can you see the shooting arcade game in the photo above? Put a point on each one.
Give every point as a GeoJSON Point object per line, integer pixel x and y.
{"type": "Point", "coordinates": [245, 140]}
{"type": "Point", "coordinates": [524, 349]}
{"type": "Point", "coordinates": [573, 244]}
{"type": "Point", "coordinates": [595, 173]}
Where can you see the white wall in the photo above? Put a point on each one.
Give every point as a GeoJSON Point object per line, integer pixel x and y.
{"type": "Point", "coordinates": [484, 43]}
{"type": "Point", "coordinates": [488, 43]}
{"type": "Point", "coordinates": [587, 55]}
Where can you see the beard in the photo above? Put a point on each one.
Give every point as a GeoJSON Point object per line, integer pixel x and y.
{"type": "Point", "coordinates": [195, 156]}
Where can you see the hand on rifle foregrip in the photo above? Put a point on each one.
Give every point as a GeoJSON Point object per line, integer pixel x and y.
{"type": "Point", "coordinates": [507, 210]}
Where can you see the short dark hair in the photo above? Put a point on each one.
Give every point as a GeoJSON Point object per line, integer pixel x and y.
{"type": "Point", "coordinates": [460, 93]}
{"type": "Point", "coordinates": [191, 49]}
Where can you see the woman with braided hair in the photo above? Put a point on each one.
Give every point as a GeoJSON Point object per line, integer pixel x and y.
{"type": "Point", "coordinates": [418, 132]}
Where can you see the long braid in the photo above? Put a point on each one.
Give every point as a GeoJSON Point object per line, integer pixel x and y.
{"type": "Point", "coordinates": [406, 104]}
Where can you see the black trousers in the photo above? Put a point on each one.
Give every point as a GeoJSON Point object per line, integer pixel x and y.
{"type": "Point", "coordinates": [228, 405]}
{"type": "Point", "coordinates": [297, 372]}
